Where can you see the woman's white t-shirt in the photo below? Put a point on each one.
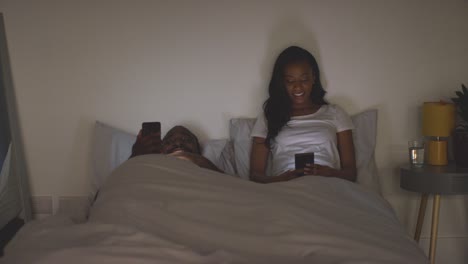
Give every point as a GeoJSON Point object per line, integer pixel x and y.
{"type": "Point", "coordinates": [309, 133]}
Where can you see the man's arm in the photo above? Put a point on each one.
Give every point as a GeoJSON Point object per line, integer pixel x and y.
{"type": "Point", "coordinates": [146, 145]}
{"type": "Point", "coordinates": [197, 159]}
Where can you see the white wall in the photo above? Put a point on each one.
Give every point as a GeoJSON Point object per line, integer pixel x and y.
{"type": "Point", "coordinates": [200, 63]}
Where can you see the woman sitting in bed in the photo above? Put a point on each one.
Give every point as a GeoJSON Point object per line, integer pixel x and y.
{"type": "Point", "coordinates": [297, 119]}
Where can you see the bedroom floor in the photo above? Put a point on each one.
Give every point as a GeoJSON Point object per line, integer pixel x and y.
{"type": "Point", "coordinates": [8, 232]}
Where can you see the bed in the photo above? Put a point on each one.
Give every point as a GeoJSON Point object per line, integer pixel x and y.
{"type": "Point", "coordinates": [158, 209]}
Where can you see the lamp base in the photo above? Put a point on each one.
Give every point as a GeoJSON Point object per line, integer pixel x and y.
{"type": "Point", "coordinates": [437, 152]}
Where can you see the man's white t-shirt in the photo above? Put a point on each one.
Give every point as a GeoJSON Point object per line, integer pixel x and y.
{"type": "Point", "coordinates": [309, 133]}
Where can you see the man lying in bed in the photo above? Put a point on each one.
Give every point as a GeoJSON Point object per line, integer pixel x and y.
{"type": "Point", "coordinates": [178, 142]}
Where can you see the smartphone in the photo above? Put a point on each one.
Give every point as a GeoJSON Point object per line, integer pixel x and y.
{"type": "Point", "coordinates": [301, 159]}
{"type": "Point", "coordinates": [148, 128]}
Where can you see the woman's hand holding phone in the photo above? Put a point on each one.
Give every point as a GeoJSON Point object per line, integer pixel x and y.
{"type": "Point", "coordinates": [320, 170]}
{"type": "Point", "coordinates": [301, 160]}
{"type": "Point", "coordinates": [292, 174]}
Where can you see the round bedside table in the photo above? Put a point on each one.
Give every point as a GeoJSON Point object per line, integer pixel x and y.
{"type": "Point", "coordinates": [436, 180]}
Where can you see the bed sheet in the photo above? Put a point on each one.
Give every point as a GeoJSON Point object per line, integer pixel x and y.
{"type": "Point", "coordinates": [158, 209]}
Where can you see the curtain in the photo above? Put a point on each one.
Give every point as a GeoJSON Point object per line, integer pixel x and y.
{"type": "Point", "coordinates": [18, 185]}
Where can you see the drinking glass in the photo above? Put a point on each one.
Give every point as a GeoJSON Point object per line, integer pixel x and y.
{"type": "Point", "coordinates": [416, 152]}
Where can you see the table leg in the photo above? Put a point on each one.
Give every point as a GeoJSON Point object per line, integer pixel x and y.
{"type": "Point", "coordinates": [435, 224]}
{"type": "Point", "coordinates": [422, 211]}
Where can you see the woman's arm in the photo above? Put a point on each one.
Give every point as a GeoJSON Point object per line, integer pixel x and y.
{"type": "Point", "coordinates": [258, 163]}
{"type": "Point", "coordinates": [348, 160]}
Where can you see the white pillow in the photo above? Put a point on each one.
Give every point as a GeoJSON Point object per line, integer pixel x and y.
{"type": "Point", "coordinates": [221, 153]}
{"type": "Point", "coordinates": [239, 133]}
{"type": "Point", "coordinates": [364, 137]}
{"type": "Point", "coordinates": [111, 147]}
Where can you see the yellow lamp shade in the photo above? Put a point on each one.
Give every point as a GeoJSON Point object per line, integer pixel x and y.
{"type": "Point", "coordinates": [438, 119]}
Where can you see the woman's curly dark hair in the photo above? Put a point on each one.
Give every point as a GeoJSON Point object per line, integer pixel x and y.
{"type": "Point", "coordinates": [277, 108]}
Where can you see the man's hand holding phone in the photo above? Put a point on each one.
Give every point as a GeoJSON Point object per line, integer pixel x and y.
{"type": "Point", "coordinates": [148, 139]}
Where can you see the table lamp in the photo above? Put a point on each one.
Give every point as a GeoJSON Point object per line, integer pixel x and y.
{"type": "Point", "coordinates": [438, 124]}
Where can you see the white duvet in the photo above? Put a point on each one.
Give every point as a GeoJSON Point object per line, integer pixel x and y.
{"type": "Point", "coordinates": [157, 209]}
